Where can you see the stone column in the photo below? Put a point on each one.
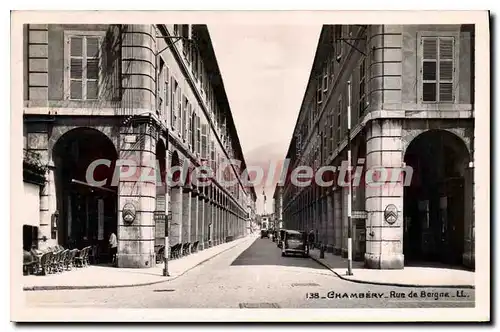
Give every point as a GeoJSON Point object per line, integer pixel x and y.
{"type": "Point", "coordinates": [175, 231]}
{"type": "Point", "coordinates": [201, 222]}
{"type": "Point", "coordinates": [194, 217]}
{"type": "Point", "coordinates": [384, 245]}
{"type": "Point", "coordinates": [213, 237]}
{"type": "Point", "coordinates": [330, 223]}
{"type": "Point", "coordinates": [136, 240]}
{"type": "Point", "coordinates": [207, 221]}
{"type": "Point", "coordinates": [469, 242]}
{"type": "Point", "coordinates": [186, 214]}
{"type": "Point", "coordinates": [337, 220]}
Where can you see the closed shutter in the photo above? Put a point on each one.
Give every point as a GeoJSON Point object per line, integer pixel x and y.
{"type": "Point", "coordinates": [437, 69]}
{"type": "Point", "coordinates": [204, 143]}
{"type": "Point", "coordinates": [446, 69]}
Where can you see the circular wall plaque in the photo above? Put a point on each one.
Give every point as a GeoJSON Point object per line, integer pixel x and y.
{"type": "Point", "coordinates": [391, 214]}
{"type": "Point", "coordinates": [128, 213]}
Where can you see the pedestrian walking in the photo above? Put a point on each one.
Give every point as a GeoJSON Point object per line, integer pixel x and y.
{"type": "Point", "coordinates": [113, 244]}
{"type": "Point", "coordinates": [311, 238]}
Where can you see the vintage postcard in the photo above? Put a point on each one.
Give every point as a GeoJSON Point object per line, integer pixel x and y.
{"type": "Point", "coordinates": [199, 166]}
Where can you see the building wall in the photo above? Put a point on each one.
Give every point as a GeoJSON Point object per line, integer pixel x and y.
{"type": "Point", "coordinates": [392, 114]}
{"type": "Point", "coordinates": [132, 85]}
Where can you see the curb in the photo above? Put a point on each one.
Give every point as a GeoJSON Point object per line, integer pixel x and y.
{"type": "Point", "coordinates": [389, 283]}
{"type": "Point", "coordinates": [42, 288]}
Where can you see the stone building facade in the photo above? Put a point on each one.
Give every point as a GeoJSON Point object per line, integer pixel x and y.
{"type": "Point", "coordinates": [149, 95]}
{"type": "Point", "coordinates": [412, 104]}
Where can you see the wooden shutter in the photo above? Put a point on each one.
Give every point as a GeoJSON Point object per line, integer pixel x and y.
{"type": "Point", "coordinates": [429, 68]}
{"type": "Point", "coordinates": [446, 69]}
{"type": "Point", "coordinates": [204, 143]}
{"type": "Point", "coordinates": [173, 104]}
{"type": "Point", "coordinates": [76, 67]}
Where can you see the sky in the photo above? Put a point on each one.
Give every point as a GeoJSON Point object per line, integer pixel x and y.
{"type": "Point", "coordinates": [265, 69]}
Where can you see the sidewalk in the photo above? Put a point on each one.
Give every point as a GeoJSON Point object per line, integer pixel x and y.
{"type": "Point", "coordinates": [409, 276]}
{"type": "Point", "coordinates": [96, 276]}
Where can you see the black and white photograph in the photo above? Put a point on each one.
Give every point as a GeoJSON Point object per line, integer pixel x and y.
{"type": "Point", "coordinates": [172, 161]}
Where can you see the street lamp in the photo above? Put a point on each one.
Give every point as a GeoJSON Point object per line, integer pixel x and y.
{"type": "Point", "coordinates": [349, 198]}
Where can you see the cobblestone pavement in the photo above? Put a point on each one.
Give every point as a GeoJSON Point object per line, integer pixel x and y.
{"type": "Point", "coordinates": [255, 275]}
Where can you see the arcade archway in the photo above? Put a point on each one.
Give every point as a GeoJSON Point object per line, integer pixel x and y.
{"type": "Point", "coordinates": [434, 201]}
{"type": "Point", "coordinates": [87, 210]}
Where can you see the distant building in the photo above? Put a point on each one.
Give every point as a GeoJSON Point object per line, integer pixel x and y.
{"type": "Point", "coordinates": [412, 104]}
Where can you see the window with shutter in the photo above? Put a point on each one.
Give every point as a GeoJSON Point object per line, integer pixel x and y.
{"type": "Point", "coordinates": [339, 123]}
{"type": "Point", "coordinates": [184, 106]}
{"type": "Point", "coordinates": [179, 111]}
{"type": "Point", "coordinates": [173, 104]}
{"type": "Point", "coordinates": [338, 41]}
{"type": "Point", "coordinates": [198, 135]}
{"type": "Point", "coordinates": [189, 124]}
{"type": "Point", "coordinates": [160, 86]}
{"type": "Point", "coordinates": [362, 85]}
{"type": "Point", "coordinates": [437, 69]}
{"type": "Point", "coordinates": [325, 77]}
{"type": "Point", "coordinates": [83, 69]}
{"type": "Point", "coordinates": [166, 91]}
{"type": "Point", "coordinates": [204, 143]}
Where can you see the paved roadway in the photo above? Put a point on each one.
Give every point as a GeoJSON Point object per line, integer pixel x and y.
{"type": "Point", "coordinates": [251, 275]}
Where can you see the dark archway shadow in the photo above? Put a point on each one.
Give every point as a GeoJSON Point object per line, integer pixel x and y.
{"type": "Point", "coordinates": [434, 201]}
{"type": "Point", "coordinates": [265, 252]}
{"type": "Point", "coordinates": [87, 210]}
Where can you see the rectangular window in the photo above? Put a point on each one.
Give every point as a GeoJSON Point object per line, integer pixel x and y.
{"type": "Point", "coordinates": [184, 127]}
{"type": "Point", "coordinates": [362, 85]}
{"type": "Point", "coordinates": [332, 133]}
{"type": "Point", "coordinates": [319, 90]}
{"type": "Point", "coordinates": [204, 142]}
{"type": "Point", "coordinates": [190, 124]}
{"type": "Point", "coordinates": [198, 135]}
{"type": "Point", "coordinates": [173, 105]}
{"type": "Point", "coordinates": [160, 103]}
{"type": "Point", "coordinates": [437, 69]}
{"type": "Point", "coordinates": [83, 72]}
{"type": "Point", "coordinates": [325, 77]}
{"type": "Point", "coordinates": [179, 111]}
{"type": "Point", "coordinates": [338, 41]}
{"type": "Point", "coordinates": [339, 122]}
{"type": "Point", "coordinates": [166, 87]}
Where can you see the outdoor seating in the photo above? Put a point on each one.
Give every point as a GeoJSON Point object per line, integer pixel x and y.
{"type": "Point", "coordinates": [70, 259]}
{"type": "Point", "coordinates": [195, 246]}
{"type": "Point", "coordinates": [159, 250]}
{"type": "Point", "coordinates": [82, 259]}
{"type": "Point", "coordinates": [44, 263]}
{"type": "Point", "coordinates": [185, 248]}
{"type": "Point", "coordinates": [29, 263]}
{"type": "Point", "coordinates": [175, 251]}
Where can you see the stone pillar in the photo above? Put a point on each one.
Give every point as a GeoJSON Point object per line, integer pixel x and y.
{"type": "Point", "coordinates": [469, 242]}
{"type": "Point", "coordinates": [329, 223]}
{"type": "Point", "coordinates": [175, 231]}
{"type": "Point", "coordinates": [384, 240]}
{"type": "Point", "coordinates": [201, 222]}
{"type": "Point", "coordinates": [186, 215]}
{"type": "Point", "coordinates": [207, 221]}
{"type": "Point", "coordinates": [136, 240]}
{"type": "Point", "coordinates": [337, 220]}
{"type": "Point", "coordinates": [194, 217]}
{"type": "Point", "coordinates": [213, 228]}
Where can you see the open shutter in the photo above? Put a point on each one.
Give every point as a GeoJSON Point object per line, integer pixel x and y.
{"type": "Point", "coordinates": [446, 69]}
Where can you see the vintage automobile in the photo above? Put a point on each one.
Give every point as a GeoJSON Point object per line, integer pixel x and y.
{"type": "Point", "coordinates": [264, 233]}
{"type": "Point", "coordinates": [294, 242]}
{"type": "Point", "coordinates": [281, 236]}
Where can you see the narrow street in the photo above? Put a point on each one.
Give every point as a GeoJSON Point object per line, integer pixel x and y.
{"type": "Point", "coordinates": [249, 275]}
